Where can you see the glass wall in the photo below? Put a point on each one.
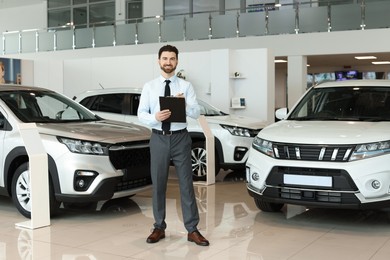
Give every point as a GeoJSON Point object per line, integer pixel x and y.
{"type": "Point", "coordinates": [134, 11]}
{"type": "Point", "coordinates": [78, 24]}
{"type": "Point", "coordinates": [80, 13]}
{"type": "Point", "coordinates": [174, 9]}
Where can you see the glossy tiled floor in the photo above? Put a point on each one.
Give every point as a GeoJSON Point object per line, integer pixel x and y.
{"type": "Point", "coordinates": [229, 219]}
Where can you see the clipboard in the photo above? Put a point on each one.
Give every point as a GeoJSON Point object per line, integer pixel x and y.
{"type": "Point", "coordinates": [177, 106]}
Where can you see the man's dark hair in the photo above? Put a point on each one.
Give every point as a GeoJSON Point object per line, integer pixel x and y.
{"type": "Point", "coordinates": [169, 48]}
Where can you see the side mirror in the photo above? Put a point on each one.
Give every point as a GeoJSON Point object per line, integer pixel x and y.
{"type": "Point", "coordinates": [281, 113]}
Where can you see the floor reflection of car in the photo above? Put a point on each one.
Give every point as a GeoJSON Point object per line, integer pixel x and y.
{"type": "Point", "coordinates": [27, 250]}
{"type": "Point", "coordinates": [90, 159]}
{"type": "Point", "coordinates": [233, 134]}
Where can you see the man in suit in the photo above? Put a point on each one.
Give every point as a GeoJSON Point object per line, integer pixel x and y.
{"type": "Point", "coordinates": [170, 141]}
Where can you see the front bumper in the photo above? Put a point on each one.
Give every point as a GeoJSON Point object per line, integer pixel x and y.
{"type": "Point", "coordinates": [351, 182]}
{"type": "Point", "coordinates": [235, 150]}
{"type": "Point", "coordinates": [125, 172]}
{"type": "Point", "coordinates": [107, 189]}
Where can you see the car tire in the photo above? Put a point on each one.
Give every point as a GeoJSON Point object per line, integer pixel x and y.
{"type": "Point", "coordinates": [199, 163]}
{"type": "Point", "coordinates": [21, 192]}
{"type": "Point", "coordinates": [268, 206]}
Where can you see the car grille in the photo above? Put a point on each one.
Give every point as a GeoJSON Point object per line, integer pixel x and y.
{"type": "Point", "coordinates": [327, 153]}
{"type": "Point", "coordinates": [341, 192]}
{"type": "Point", "coordinates": [134, 160]}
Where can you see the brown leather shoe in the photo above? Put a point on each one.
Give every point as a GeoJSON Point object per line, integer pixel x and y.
{"type": "Point", "coordinates": [197, 238]}
{"type": "Point", "coordinates": [156, 235]}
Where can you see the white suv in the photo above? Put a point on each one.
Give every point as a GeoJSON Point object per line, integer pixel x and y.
{"type": "Point", "coordinates": [89, 159]}
{"type": "Point", "coordinates": [331, 150]}
{"type": "Point", "coordinates": [233, 134]}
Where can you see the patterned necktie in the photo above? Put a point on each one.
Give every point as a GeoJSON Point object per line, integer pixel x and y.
{"type": "Point", "coordinates": [166, 125]}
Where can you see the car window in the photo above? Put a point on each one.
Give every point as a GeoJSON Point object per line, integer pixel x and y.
{"type": "Point", "coordinates": [44, 106]}
{"type": "Point", "coordinates": [134, 104]}
{"type": "Point", "coordinates": [127, 104]}
{"type": "Point", "coordinates": [118, 103]}
{"type": "Point", "coordinates": [208, 110]}
{"type": "Point", "coordinates": [87, 102]}
{"type": "Point", "coordinates": [112, 103]}
{"type": "Point", "coordinates": [2, 121]}
{"type": "Point", "coordinates": [347, 103]}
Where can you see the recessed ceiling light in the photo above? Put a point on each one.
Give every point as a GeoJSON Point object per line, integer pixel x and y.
{"type": "Point", "coordinates": [280, 61]}
{"type": "Point", "coordinates": [380, 62]}
{"type": "Point", "coordinates": [278, 5]}
{"type": "Point", "coordinates": [365, 57]}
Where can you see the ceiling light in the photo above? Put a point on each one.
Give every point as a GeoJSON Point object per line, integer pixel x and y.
{"type": "Point", "coordinates": [380, 62]}
{"type": "Point", "coordinates": [278, 5]}
{"type": "Point", "coordinates": [280, 61]}
{"type": "Point", "coordinates": [365, 57]}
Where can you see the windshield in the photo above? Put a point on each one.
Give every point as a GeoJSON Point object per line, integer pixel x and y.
{"type": "Point", "coordinates": [344, 103]}
{"type": "Point", "coordinates": [45, 106]}
{"type": "Point", "coordinates": [209, 110]}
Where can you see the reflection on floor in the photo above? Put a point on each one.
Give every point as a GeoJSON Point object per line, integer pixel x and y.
{"type": "Point", "coordinates": [229, 219]}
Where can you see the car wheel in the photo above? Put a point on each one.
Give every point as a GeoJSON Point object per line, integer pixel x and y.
{"type": "Point", "coordinates": [199, 163]}
{"type": "Point", "coordinates": [21, 194]}
{"type": "Point", "coordinates": [268, 206]}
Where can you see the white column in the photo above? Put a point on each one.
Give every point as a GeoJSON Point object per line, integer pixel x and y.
{"type": "Point", "coordinates": [219, 79]}
{"type": "Point", "coordinates": [296, 78]}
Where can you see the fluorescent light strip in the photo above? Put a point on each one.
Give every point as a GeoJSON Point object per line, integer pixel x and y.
{"type": "Point", "coordinates": [365, 57]}
{"type": "Point", "coordinates": [380, 62]}
{"type": "Point", "coordinates": [280, 61]}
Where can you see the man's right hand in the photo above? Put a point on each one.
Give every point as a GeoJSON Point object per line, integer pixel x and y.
{"type": "Point", "coordinates": [162, 115]}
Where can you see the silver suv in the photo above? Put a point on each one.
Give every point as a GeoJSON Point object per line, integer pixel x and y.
{"type": "Point", "coordinates": [89, 159]}
{"type": "Point", "coordinates": [331, 150]}
{"type": "Point", "coordinates": [233, 134]}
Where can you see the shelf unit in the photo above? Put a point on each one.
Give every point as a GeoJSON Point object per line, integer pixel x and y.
{"type": "Point", "coordinates": [239, 102]}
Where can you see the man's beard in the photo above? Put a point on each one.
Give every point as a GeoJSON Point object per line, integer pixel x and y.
{"type": "Point", "coordinates": [168, 70]}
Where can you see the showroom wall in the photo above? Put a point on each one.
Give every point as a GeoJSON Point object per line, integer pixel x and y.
{"type": "Point", "coordinates": [210, 72]}
{"type": "Point", "coordinates": [51, 68]}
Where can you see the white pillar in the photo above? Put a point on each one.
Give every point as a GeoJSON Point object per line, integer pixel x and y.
{"type": "Point", "coordinates": [219, 79]}
{"type": "Point", "coordinates": [296, 78]}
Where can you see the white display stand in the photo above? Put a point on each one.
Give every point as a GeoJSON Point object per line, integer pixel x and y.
{"type": "Point", "coordinates": [210, 156]}
{"type": "Point", "coordinates": [39, 179]}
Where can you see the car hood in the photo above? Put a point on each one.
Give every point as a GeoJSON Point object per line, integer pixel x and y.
{"type": "Point", "coordinates": [106, 131]}
{"type": "Point", "coordinates": [234, 120]}
{"type": "Point", "coordinates": [326, 132]}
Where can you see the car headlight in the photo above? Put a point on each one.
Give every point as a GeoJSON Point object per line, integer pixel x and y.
{"type": "Point", "coordinates": [84, 147]}
{"type": "Point", "coordinates": [364, 151]}
{"type": "Point", "coordinates": [238, 131]}
{"type": "Point", "coordinates": [263, 146]}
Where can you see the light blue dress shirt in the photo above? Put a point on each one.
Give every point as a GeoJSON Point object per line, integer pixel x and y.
{"type": "Point", "coordinates": [149, 103]}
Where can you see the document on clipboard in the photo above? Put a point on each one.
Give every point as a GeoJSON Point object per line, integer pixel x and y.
{"type": "Point", "coordinates": [177, 106]}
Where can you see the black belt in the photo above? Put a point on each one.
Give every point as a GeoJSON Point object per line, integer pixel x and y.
{"type": "Point", "coordinates": [169, 132]}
